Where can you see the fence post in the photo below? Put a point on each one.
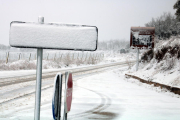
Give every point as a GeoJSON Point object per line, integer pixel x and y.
{"type": "Point", "coordinates": [54, 56]}
{"type": "Point", "coordinates": [78, 56]}
{"type": "Point", "coordinates": [47, 56]}
{"type": "Point", "coordinates": [30, 57]}
{"type": "Point", "coordinates": [82, 56]}
{"type": "Point", "coordinates": [7, 57]}
{"type": "Point", "coordinates": [86, 56]}
{"type": "Point", "coordinates": [89, 56]}
{"type": "Point", "coordinates": [72, 56]}
{"type": "Point", "coordinates": [96, 56]}
{"type": "Point", "coordinates": [35, 56]}
{"type": "Point", "coordinates": [19, 56]}
{"type": "Point", "coordinates": [61, 57]}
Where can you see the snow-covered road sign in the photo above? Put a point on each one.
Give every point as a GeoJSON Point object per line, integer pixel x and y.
{"type": "Point", "coordinates": [68, 92]}
{"type": "Point", "coordinates": [142, 37]}
{"type": "Point", "coordinates": [53, 36]}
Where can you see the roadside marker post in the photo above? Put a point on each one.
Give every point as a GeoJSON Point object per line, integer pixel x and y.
{"type": "Point", "coordinates": [51, 36]}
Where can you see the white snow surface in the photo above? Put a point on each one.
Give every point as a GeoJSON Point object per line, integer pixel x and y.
{"type": "Point", "coordinates": [153, 72]}
{"type": "Point", "coordinates": [161, 72]}
{"type": "Point", "coordinates": [110, 57]}
{"type": "Point", "coordinates": [108, 95]}
{"type": "Point", "coordinates": [54, 36]}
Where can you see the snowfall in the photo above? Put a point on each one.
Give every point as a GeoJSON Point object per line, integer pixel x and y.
{"type": "Point", "coordinates": [108, 95]}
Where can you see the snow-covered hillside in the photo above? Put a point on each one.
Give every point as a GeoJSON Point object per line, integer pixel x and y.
{"type": "Point", "coordinates": [161, 65]}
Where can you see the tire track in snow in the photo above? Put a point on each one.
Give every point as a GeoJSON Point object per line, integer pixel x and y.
{"type": "Point", "coordinates": [97, 112]}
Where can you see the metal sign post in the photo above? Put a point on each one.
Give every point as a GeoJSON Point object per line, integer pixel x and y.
{"type": "Point", "coordinates": [137, 59]}
{"type": "Point", "coordinates": [38, 79]}
{"type": "Point", "coordinates": [65, 115]}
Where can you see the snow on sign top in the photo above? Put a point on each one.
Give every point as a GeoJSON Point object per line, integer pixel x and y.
{"type": "Point", "coordinates": [53, 36]}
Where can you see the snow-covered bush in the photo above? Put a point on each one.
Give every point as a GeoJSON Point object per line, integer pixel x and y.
{"type": "Point", "coordinates": [147, 56]}
{"type": "Point", "coordinates": [169, 62]}
{"type": "Point", "coordinates": [128, 63]}
{"type": "Point", "coordinates": [122, 51]}
{"type": "Point", "coordinates": [18, 65]}
{"type": "Point", "coordinates": [165, 54]}
{"type": "Point", "coordinates": [54, 60]}
{"type": "Point", "coordinates": [67, 60]}
{"type": "Point", "coordinates": [92, 60]}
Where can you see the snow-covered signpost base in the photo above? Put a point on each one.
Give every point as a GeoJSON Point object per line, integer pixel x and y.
{"type": "Point", "coordinates": [51, 36]}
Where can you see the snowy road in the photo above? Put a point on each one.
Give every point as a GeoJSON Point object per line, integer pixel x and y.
{"type": "Point", "coordinates": [23, 83]}
{"type": "Point", "coordinates": [101, 96]}
{"type": "Point", "coordinates": [14, 77]}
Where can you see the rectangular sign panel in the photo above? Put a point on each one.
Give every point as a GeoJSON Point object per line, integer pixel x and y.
{"type": "Point", "coordinates": [142, 37]}
{"type": "Point", "coordinates": [53, 36]}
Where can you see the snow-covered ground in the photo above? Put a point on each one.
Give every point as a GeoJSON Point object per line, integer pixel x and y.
{"type": "Point", "coordinates": [150, 72]}
{"type": "Point", "coordinates": [165, 71]}
{"type": "Point", "coordinates": [105, 95]}
{"type": "Point", "coordinates": [50, 66]}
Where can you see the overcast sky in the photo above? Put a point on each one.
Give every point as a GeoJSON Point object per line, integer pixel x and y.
{"type": "Point", "coordinates": [112, 17]}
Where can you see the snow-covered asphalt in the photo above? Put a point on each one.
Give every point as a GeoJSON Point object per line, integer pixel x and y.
{"type": "Point", "coordinates": [102, 96]}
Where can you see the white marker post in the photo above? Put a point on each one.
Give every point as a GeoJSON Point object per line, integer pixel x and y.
{"type": "Point", "coordinates": [51, 36]}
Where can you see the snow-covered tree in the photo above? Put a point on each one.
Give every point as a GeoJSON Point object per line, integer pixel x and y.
{"type": "Point", "coordinates": [114, 45]}
{"type": "Point", "coordinates": [177, 7]}
{"type": "Point", "coordinates": [165, 25]}
{"type": "Point", "coordinates": [4, 47]}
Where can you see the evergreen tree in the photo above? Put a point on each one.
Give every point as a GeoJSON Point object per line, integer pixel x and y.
{"type": "Point", "coordinates": [177, 7]}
